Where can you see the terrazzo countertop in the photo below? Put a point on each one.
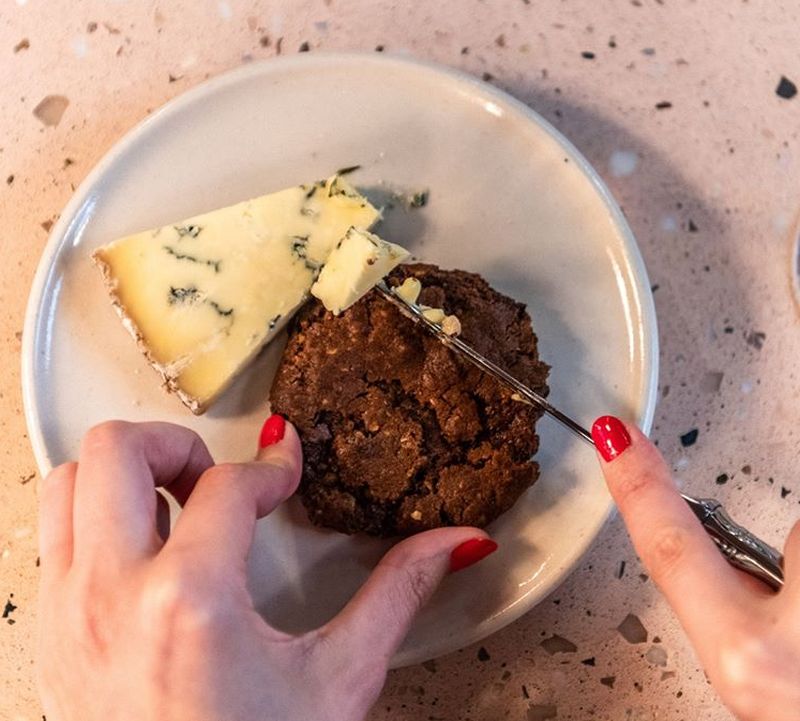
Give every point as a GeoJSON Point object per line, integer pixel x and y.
{"type": "Point", "coordinates": [687, 109]}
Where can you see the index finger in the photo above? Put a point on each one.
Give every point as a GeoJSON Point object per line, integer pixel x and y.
{"type": "Point", "coordinates": [119, 466]}
{"type": "Point", "coordinates": [704, 591]}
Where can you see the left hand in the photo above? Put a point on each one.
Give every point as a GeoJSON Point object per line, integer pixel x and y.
{"type": "Point", "coordinates": [133, 626]}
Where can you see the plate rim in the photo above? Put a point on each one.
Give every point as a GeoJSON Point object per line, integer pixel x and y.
{"type": "Point", "coordinates": [640, 285]}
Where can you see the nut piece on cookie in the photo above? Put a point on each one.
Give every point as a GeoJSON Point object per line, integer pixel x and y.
{"type": "Point", "coordinates": [451, 325]}
{"type": "Point", "coordinates": [434, 315]}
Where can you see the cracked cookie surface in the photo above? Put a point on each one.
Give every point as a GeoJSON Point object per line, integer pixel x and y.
{"type": "Point", "coordinates": [400, 435]}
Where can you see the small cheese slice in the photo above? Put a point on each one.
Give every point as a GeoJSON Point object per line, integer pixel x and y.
{"type": "Point", "coordinates": [204, 295]}
{"type": "Point", "coordinates": [354, 266]}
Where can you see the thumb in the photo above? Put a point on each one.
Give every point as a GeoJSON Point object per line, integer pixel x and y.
{"type": "Point", "coordinates": [377, 619]}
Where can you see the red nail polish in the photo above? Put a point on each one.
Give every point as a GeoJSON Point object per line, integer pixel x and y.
{"type": "Point", "coordinates": [272, 431]}
{"type": "Point", "coordinates": [610, 437]}
{"type": "Point", "coordinates": [471, 552]}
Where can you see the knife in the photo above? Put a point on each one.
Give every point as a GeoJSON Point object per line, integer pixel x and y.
{"type": "Point", "coordinates": [742, 548]}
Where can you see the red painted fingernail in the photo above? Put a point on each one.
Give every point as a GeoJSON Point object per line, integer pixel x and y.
{"type": "Point", "coordinates": [272, 431]}
{"type": "Point", "coordinates": [471, 552]}
{"type": "Point", "coordinates": [610, 437]}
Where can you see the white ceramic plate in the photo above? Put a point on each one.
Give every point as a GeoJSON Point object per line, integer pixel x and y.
{"type": "Point", "coordinates": [510, 198]}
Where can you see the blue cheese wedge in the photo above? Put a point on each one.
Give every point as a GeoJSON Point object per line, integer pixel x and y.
{"type": "Point", "coordinates": [202, 296]}
{"type": "Point", "coordinates": [354, 266]}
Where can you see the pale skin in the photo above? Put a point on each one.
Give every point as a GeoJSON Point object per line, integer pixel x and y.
{"type": "Point", "coordinates": [136, 623]}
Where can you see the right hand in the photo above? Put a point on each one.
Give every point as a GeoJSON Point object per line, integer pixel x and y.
{"type": "Point", "coordinates": [746, 636]}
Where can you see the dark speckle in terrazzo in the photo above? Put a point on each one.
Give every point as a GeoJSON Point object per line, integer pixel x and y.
{"type": "Point", "coordinates": [589, 661]}
{"type": "Point", "coordinates": [10, 179]}
{"type": "Point", "coordinates": [689, 438]}
{"type": "Point", "coordinates": [23, 44]}
{"type": "Point", "coordinates": [621, 570]}
{"type": "Point", "coordinates": [483, 654]}
{"type": "Point", "coordinates": [263, 41]}
{"type": "Point", "coordinates": [747, 469]}
{"type": "Point", "coordinates": [379, 48]}
{"type": "Point", "coordinates": [8, 610]}
{"type": "Point", "coordinates": [500, 41]}
{"type": "Point", "coordinates": [711, 381]}
{"type": "Point", "coordinates": [50, 110]}
{"type": "Point", "coordinates": [487, 77]}
{"type": "Point", "coordinates": [304, 47]}
{"type": "Point", "coordinates": [558, 644]}
{"type": "Point", "coordinates": [756, 339]}
{"type": "Point", "coordinates": [786, 88]}
{"type": "Point", "coordinates": [663, 105]}
{"type": "Point", "coordinates": [429, 666]}
{"type": "Point", "coordinates": [656, 655]}
{"type": "Point", "coordinates": [785, 491]}
{"type": "Point", "coordinates": [692, 226]}
{"type": "Point", "coordinates": [632, 629]}
{"type": "Point", "coordinates": [465, 50]}
{"type": "Point", "coordinates": [612, 42]}
{"type": "Point", "coordinates": [608, 681]}
{"type": "Point", "coordinates": [587, 55]}
{"type": "Point", "coordinates": [728, 329]}
{"type": "Point", "coordinates": [542, 712]}
{"type": "Point", "coordinates": [525, 693]}
{"type": "Point", "coordinates": [722, 479]}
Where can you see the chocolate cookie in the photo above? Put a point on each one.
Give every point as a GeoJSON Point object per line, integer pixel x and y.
{"type": "Point", "coordinates": [399, 434]}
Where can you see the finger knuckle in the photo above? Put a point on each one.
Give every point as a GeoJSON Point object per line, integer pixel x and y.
{"type": "Point", "coordinates": [221, 474]}
{"type": "Point", "coordinates": [90, 611]}
{"type": "Point", "coordinates": [632, 483]}
{"type": "Point", "coordinates": [420, 583]}
{"type": "Point", "coordinates": [287, 469]}
{"type": "Point", "coordinates": [62, 471]}
{"type": "Point", "coordinates": [108, 433]}
{"type": "Point", "coordinates": [177, 595]}
{"type": "Point", "coordinates": [665, 551]}
{"type": "Point", "coordinates": [744, 664]}
{"type": "Point", "coordinates": [413, 583]}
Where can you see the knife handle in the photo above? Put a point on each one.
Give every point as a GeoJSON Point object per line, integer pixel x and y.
{"type": "Point", "coordinates": [742, 548]}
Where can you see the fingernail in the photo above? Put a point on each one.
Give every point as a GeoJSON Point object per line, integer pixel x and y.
{"type": "Point", "coordinates": [471, 552]}
{"type": "Point", "coordinates": [610, 437]}
{"type": "Point", "coordinates": [272, 431]}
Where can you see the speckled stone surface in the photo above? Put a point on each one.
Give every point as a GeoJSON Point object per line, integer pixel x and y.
{"type": "Point", "coordinates": [679, 104]}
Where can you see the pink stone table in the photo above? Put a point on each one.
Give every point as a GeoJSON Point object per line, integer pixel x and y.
{"type": "Point", "coordinates": [673, 101]}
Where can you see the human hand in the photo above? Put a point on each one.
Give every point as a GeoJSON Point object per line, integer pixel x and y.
{"type": "Point", "coordinates": [138, 624]}
{"type": "Point", "coordinates": [746, 636]}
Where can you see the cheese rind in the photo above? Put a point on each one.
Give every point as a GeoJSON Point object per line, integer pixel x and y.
{"type": "Point", "coordinates": [204, 295]}
{"type": "Point", "coordinates": [354, 266]}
